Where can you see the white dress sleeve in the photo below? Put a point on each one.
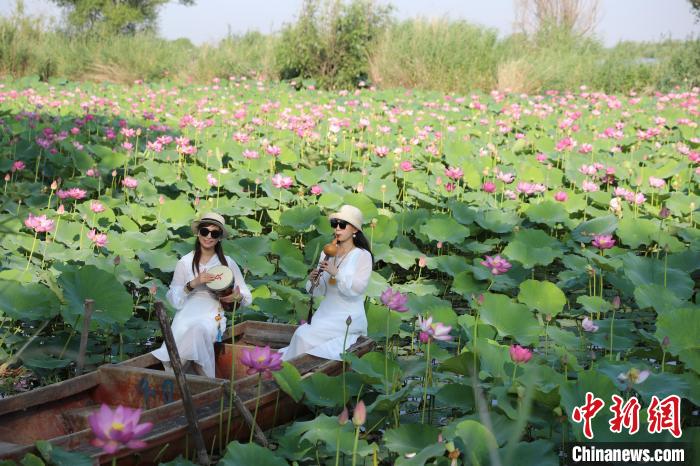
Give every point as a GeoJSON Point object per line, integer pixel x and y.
{"type": "Point", "coordinates": [176, 294]}
{"type": "Point", "coordinates": [353, 281]}
{"type": "Point", "coordinates": [240, 283]}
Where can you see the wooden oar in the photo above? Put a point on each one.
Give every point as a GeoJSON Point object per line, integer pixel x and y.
{"type": "Point", "coordinates": [192, 424]}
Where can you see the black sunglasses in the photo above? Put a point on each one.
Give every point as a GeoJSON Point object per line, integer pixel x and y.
{"type": "Point", "coordinates": [204, 232]}
{"type": "Point", "coordinates": [338, 223]}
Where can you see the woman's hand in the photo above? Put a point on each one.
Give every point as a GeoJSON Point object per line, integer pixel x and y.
{"type": "Point", "coordinates": [234, 297]}
{"type": "Point", "coordinates": [202, 278]}
{"type": "Point", "coordinates": [313, 276]}
{"type": "Point", "coordinates": [329, 267]}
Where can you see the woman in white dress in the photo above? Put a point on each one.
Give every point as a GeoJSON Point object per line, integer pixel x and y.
{"type": "Point", "coordinates": [342, 281]}
{"type": "Point", "coordinates": [200, 321]}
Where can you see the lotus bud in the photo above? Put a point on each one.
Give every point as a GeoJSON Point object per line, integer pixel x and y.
{"type": "Point", "coordinates": [616, 302]}
{"type": "Point", "coordinates": [114, 173]}
{"type": "Point", "coordinates": [54, 185]}
{"type": "Point", "coordinates": [7, 177]}
{"type": "Point", "coordinates": [664, 212]}
{"type": "Point", "coordinates": [344, 417]}
{"type": "Point", "coordinates": [348, 321]}
{"type": "Point", "coordinates": [117, 260]}
{"type": "Point", "coordinates": [360, 415]}
{"type": "Point", "coordinates": [666, 342]}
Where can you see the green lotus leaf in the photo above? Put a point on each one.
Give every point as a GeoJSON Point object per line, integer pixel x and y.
{"type": "Point", "coordinates": [477, 441]}
{"type": "Point", "coordinates": [107, 158]}
{"type": "Point", "coordinates": [497, 221]}
{"type": "Point", "coordinates": [456, 396]}
{"type": "Point", "coordinates": [646, 270]}
{"type": "Point", "coordinates": [371, 367]}
{"type": "Point", "coordinates": [509, 318]}
{"type": "Point", "coordinates": [410, 438]}
{"type": "Point", "coordinates": [598, 226]}
{"type": "Point", "coordinates": [594, 304]}
{"type": "Point", "coordinates": [300, 218]}
{"type": "Point", "coordinates": [249, 453]}
{"type": "Point", "coordinates": [533, 247]}
{"type": "Point", "coordinates": [444, 228]}
{"type": "Point", "coordinates": [423, 456]}
{"type": "Point", "coordinates": [682, 327]}
{"type": "Point", "coordinates": [289, 380]}
{"type": "Point", "coordinates": [293, 267]}
{"type": "Point", "coordinates": [537, 453]}
{"type": "Point", "coordinates": [362, 202]}
{"type": "Point", "coordinates": [384, 231]}
{"type": "Point", "coordinates": [177, 212]}
{"type": "Point", "coordinates": [324, 391]}
{"type": "Point", "coordinates": [451, 265]}
{"type": "Point", "coordinates": [250, 224]}
{"type": "Point", "coordinates": [463, 213]}
{"type": "Point", "coordinates": [637, 231]}
{"type": "Point", "coordinates": [377, 321]}
{"type": "Point", "coordinates": [377, 285]}
{"type": "Point", "coordinates": [403, 257]}
{"type": "Point", "coordinates": [158, 259]}
{"type": "Point", "coordinates": [27, 301]}
{"type": "Point", "coordinates": [381, 189]}
{"type": "Point", "coordinates": [253, 246]}
{"type": "Point", "coordinates": [546, 297]}
{"type": "Point", "coordinates": [548, 212]}
{"type": "Point", "coordinates": [465, 284]}
{"type": "Point", "coordinates": [113, 303]}
{"type": "Point", "coordinates": [330, 201]}
{"type": "Point", "coordinates": [657, 297]}
{"type": "Point", "coordinates": [311, 176]}
{"type": "Point", "coordinates": [420, 288]}
{"type": "Point", "coordinates": [462, 364]}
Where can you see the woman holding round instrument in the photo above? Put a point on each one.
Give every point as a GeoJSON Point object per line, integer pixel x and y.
{"type": "Point", "coordinates": [204, 282]}
{"type": "Point", "coordinates": [342, 277]}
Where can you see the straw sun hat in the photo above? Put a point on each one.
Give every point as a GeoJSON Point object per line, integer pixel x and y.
{"type": "Point", "coordinates": [350, 214]}
{"type": "Point", "coordinates": [211, 218]}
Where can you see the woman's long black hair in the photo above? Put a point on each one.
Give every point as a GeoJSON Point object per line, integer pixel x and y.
{"type": "Point", "coordinates": [360, 241]}
{"type": "Point", "coordinates": [218, 249]}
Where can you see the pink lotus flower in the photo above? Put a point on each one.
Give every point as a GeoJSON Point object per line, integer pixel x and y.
{"type": "Point", "coordinates": [250, 154]}
{"type": "Point", "coordinates": [565, 144]}
{"type": "Point", "coordinates": [381, 151]}
{"type": "Point", "coordinates": [588, 325]}
{"type": "Point", "coordinates": [274, 151]}
{"type": "Point", "coordinates": [507, 178]}
{"type": "Point", "coordinates": [130, 183]}
{"type": "Point", "coordinates": [359, 417]}
{"type": "Point", "coordinates": [488, 187]}
{"type": "Point", "coordinates": [454, 172]}
{"type": "Point", "coordinates": [422, 261]}
{"type": "Point", "coordinates": [585, 149]}
{"type": "Point", "coordinates": [73, 193]}
{"type": "Point", "coordinates": [519, 355]}
{"type": "Point", "coordinates": [497, 264]}
{"type": "Point", "coordinates": [279, 181]}
{"type": "Point", "coordinates": [603, 241]}
{"type": "Point", "coordinates": [435, 331]}
{"type": "Point", "coordinates": [316, 190]}
{"type": "Point", "coordinates": [589, 186]}
{"type": "Point", "coordinates": [39, 224]}
{"type": "Point", "coordinates": [634, 376]}
{"type": "Point", "coordinates": [212, 180]}
{"type": "Point", "coordinates": [656, 182]}
{"type": "Point", "coordinates": [18, 165]}
{"type": "Point", "coordinates": [394, 300]}
{"type": "Point", "coordinates": [118, 428]}
{"type": "Point", "coordinates": [99, 239]}
{"type": "Point", "coordinates": [561, 196]}
{"type": "Point", "coordinates": [406, 166]}
{"type": "Point", "coordinates": [541, 157]}
{"type": "Point", "coordinates": [261, 360]}
{"type": "Point", "coordinates": [97, 207]}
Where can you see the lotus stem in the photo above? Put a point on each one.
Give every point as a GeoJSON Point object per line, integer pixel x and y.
{"type": "Point", "coordinates": [612, 333]}
{"type": "Point", "coordinates": [512, 380]}
{"type": "Point", "coordinates": [347, 329]}
{"type": "Point", "coordinates": [257, 405]}
{"type": "Point", "coordinates": [386, 354]}
{"type": "Point", "coordinates": [425, 381]}
{"type": "Point", "coordinates": [31, 253]}
{"type": "Point", "coordinates": [354, 446]}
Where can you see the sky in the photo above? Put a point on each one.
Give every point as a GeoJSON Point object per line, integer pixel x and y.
{"type": "Point", "coordinates": [210, 20]}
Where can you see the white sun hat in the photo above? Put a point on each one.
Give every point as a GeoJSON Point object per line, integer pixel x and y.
{"type": "Point", "coordinates": [350, 214]}
{"type": "Point", "coordinates": [212, 218]}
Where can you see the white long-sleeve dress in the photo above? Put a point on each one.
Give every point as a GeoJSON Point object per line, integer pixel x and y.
{"type": "Point", "coordinates": [199, 317]}
{"type": "Point", "coordinates": [324, 336]}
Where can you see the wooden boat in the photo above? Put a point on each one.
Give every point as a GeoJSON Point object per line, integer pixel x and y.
{"type": "Point", "coordinates": [58, 412]}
